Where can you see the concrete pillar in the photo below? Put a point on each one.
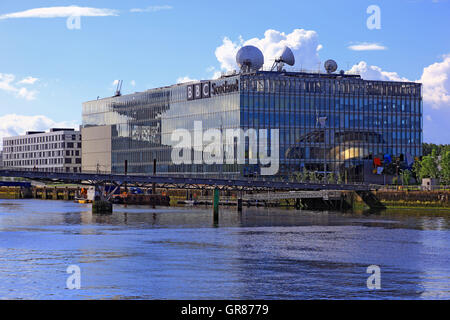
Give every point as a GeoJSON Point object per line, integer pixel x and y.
{"type": "Point", "coordinates": [102, 207]}
{"type": "Point", "coordinates": [55, 194]}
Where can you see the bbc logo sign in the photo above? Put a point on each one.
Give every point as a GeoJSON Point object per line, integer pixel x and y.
{"type": "Point", "coordinates": [199, 91]}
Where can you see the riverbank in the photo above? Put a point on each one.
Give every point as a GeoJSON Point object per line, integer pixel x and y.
{"type": "Point", "coordinates": [414, 199]}
{"type": "Point", "coordinates": [396, 199]}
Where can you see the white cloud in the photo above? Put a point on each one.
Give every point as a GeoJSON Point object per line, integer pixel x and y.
{"type": "Point", "coordinates": [368, 72]}
{"type": "Point", "coordinates": [365, 46]}
{"type": "Point", "coordinates": [428, 117]}
{"type": "Point", "coordinates": [304, 44]}
{"type": "Point", "coordinates": [6, 84]}
{"type": "Point", "coordinates": [133, 83]}
{"type": "Point", "coordinates": [152, 9]}
{"type": "Point", "coordinates": [436, 84]}
{"type": "Point", "coordinates": [14, 124]}
{"type": "Point", "coordinates": [60, 12]}
{"type": "Point", "coordinates": [28, 80]}
{"type": "Point", "coordinates": [185, 79]}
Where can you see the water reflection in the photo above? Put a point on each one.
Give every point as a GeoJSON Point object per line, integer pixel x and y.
{"type": "Point", "coordinates": [140, 252]}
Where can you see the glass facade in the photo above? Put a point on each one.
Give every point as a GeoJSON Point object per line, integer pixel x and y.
{"type": "Point", "coordinates": [326, 122]}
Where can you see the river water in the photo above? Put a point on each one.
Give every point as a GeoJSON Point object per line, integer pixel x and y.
{"type": "Point", "coordinates": [178, 253]}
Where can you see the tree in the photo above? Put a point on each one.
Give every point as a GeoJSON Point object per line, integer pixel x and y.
{"type": "Point", "coordinates": [445, 168]}
{"type": "Point", "coordinates": [406, 176]}
{"type": "Point", "coordinates": [416, 170]}
{"type": "Point", "coordinates": [331, 178]}
{"type": "Point", "coordinates": [312, 176]}
{"type": "Point", "coordinates": [429, 168]}
{"type": "Point", "coordinates": [441, 149]}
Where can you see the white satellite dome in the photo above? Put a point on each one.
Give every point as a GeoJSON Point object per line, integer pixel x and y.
{"type": "Point", "coordinates": [287, 56]}
{"type": "Point", "coordinates": [250, 58]}
{"type": "Point", "coordinates": [331, 66]}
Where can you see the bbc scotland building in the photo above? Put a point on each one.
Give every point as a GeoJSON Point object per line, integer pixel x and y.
{"type": "Point", "coordinates": [328, 122]}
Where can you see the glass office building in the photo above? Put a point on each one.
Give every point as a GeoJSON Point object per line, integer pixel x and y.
{"type": "Point", "coordinates": [327, 122]}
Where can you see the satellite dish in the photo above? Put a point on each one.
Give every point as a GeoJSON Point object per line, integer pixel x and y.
{"type": "Point", "coordinates": [330, 66]}
{"type": "Point", "coordinates": [249, 58]}
{"type": "Point", "coordinates": [286, 57]}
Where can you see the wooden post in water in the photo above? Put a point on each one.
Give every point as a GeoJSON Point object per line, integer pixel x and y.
{"type": "Point", "coordinates": [126, 172]}
{"type": "Point", "coordinates": [239, 201]}
{"type": "Point", "coordinates": [216, 206]}
{"type": "Point", "coordinates": [153, 184]}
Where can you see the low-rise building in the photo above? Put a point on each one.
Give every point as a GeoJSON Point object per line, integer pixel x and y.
{"type": "Point", "coordinates": [58, 150]}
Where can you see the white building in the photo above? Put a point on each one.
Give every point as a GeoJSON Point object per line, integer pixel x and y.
{"type": "Point", "coordinates": [56, 151]}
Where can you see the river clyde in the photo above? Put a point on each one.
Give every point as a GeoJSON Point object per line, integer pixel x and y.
{"type": "Point", "coordinates": [179, 253]}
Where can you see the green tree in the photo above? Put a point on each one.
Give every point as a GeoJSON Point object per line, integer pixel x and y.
{"type": "Point", "coordinates": [331, 178]}
{"type": "Point", "coordinates": [445, 168]}
{"type": "Point", "coordinates": [416, 170]}
{"type": "Point", "coordinates": [406, 176]}
{"type": "Point", "coordinates": [428, 166]}
{"type": "Point", "coordinates": [312, 176]}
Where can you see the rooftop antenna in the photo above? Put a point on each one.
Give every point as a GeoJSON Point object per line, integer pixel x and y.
{"type": "Point", "coordinates": [249, 58]}
{"type": "Point", "coordinates": [287, 57]}
{"type": "Point", "coordinates": [330, 66]}
{"type": "Point", "coordinates": [119, 88]}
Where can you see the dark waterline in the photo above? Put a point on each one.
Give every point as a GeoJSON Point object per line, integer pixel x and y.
{"type": "Point", "coordinates": [178, 253]}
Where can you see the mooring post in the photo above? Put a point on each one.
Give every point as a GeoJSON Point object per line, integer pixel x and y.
{"type": "Point", "coordinates": [239, 204]}
{"type": "Point", "coordinates": [216, 206]}
{"type": "Point", "coordinates": [153, 184]}
{"type": "Point", "coordinates": [125, 169]}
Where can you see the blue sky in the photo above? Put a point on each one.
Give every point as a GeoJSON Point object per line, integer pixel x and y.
{"type": "Point", "coordinates": [166, 40]}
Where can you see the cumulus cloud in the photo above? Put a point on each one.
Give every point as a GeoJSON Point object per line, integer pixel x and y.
{"type": "Point", "coordinates": [365, 46]}
{"type": "Point", "coordinates": [436, 84]}
{"type": "Point", "coordinates": [304, 44]}
{"type": "Point", "coordinates": [14, 124]}
{"type": "Point", "coordinates": [60, 12]}
{"type": "Point", "coordinates": [152, 9]}
{"type": "Point", "coordinates": [7, 84]}
{"type": "Point", "coordinates": [369, 72]}
{"type": "Point", "coordinates": [185, 79]}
